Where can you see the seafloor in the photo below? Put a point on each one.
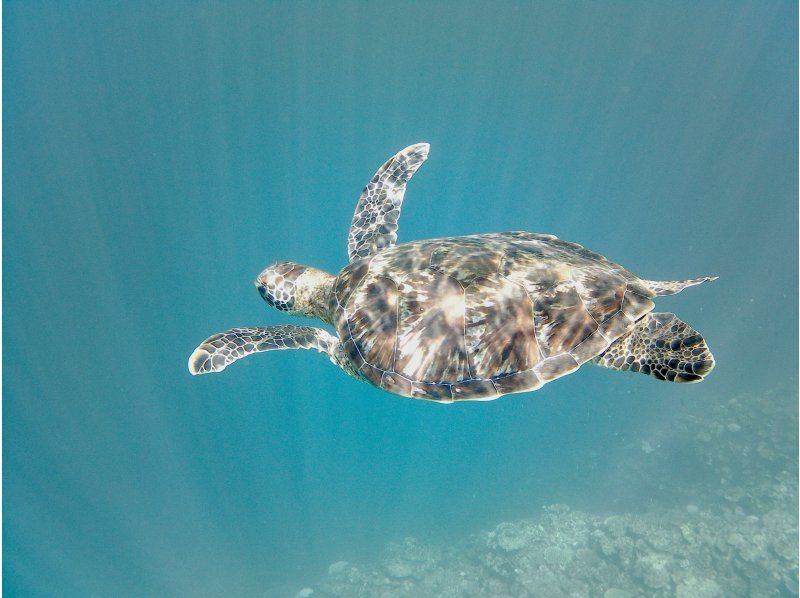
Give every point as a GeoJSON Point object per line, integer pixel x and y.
{"type": "Point", "coordinates": [740, 539]}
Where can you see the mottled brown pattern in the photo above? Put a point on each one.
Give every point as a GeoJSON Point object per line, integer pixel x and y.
{"type": "Point", "coordinates": [396, 383]}
{"type": "Point", "coordinates": [517, 235]}
{"type": "Point", "coordinates": [531, 265]}
{"type": "Point", "coordinates": [443, 393]}
{"type": "Point", "coordinates": [561, 319]}
{"type": "Point", "coordinates": [475, 390]}
{"type": "Point", "coordinates": [602, 292]}
{"type": "Point", "coordinates": [594, 344]}
{"type": "Point", "coordinates": [348, 281]}
{"type": "Point", "coordinates": [371, 373]}
{"type": "Point", "coordinates": [466, 261]}
{"type": "Point", "coordinates": [430, 340]}
{"type": "Point", "coordinates": [519, 382]}
{"type": "Point", "coordinates": [501, 337]}
{"type": "Point", "coordinates": [483, 315]}
{"type": "Point", "coordinates": [556, 366]}
{"type": "Point", "coordinates": [636, 305]}
{"type": "Point", "coordinates": [373, 321]}
{"type": "Point", "coordinates": [617, 325]}
{"type": "Point", "coordinates": [408, 257]}
{"type": "Point", "coordinates": [352, 351]}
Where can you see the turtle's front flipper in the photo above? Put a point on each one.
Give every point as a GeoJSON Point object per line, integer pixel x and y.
{"type": "Point", "coordinates": [374, 225]}
{"type": "Point", "coordinates": [663, 346]}
{"type": "Point", "coordinates": [220, 350]}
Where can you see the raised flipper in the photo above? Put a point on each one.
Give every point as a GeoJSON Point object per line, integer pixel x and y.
{"type": "Point", "coordinates": [220, 350]}
{"type": "Point", "coordinates": [374, 225]}
{"type": "Point", "coordinates": [663, 346]}
{"type": "Point", "coordinates": [672, 287]}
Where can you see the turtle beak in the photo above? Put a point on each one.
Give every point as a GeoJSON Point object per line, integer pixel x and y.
{"type": "Point", "coordinates": [262, 288]}
{"type": "Point", "coordinates": [261, 285]}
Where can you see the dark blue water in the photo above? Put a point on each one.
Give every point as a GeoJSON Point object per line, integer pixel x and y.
{"type": "Point", "coordinates": [157, 156]}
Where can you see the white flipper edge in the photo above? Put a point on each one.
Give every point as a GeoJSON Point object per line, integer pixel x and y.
{"type": "Point", "coordinates": [220, 350]}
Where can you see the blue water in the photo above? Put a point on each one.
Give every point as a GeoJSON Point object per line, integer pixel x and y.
{"type": "Point", "coordinates": [158, 155]}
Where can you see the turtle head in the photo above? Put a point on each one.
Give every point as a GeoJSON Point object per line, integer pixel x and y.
{"type": "Point", "coordinates": [296, 289]}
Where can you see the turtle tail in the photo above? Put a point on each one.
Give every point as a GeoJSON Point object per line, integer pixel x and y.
{"type": "Point", "coordinates": [672, 287]}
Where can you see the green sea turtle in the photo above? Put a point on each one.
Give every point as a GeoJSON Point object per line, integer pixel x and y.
{"type": "Point", "coordinates": [472, 317]}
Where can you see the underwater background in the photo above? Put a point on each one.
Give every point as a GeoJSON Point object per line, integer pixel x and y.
{"type": "Point", "coordinates": [157, 156]}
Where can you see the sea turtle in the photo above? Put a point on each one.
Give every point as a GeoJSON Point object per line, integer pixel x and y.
{"type": "Point", "coordinates": [472, 317]}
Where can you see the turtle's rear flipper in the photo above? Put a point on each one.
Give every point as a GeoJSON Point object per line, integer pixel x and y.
{"type": "Point", "coordinates": [672, 287]}
{"type": "Point", "coordinates": [663, 346]}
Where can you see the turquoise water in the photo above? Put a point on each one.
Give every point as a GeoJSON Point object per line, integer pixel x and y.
{"type": "Point", "coordinates": [157, 156]}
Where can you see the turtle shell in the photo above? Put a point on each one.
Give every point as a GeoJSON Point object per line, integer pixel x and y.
{"type": "Point", "coordinates": [480, 316]}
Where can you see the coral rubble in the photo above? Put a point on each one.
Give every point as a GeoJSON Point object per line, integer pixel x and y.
{"type": "Point", "coordinates": [730, 529]}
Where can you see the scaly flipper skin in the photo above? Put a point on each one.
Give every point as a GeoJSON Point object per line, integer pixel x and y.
{"type": "Point", "coordinates": [673, 287]}
{"type": "Point", "coordinates": [662, 346]}
{"type": "Point", "coordinates": [374, 225]}
{"type": "Point", "coordinates": [220, 350]}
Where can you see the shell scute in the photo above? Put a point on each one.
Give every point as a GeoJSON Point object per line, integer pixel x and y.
{"type": "Point", "coordinates": [352, 352]}
{"type": "Point", "coordinates": [371, 373]}
{"type": "Point", "coordinates": [441, 393]}
{"type": "Point", "coordinates": [466, 262]}
{"type": "Point", "coordinates": [348, 282]}
{"type": "Point", "coordinates": [373, 320]}
{"type": "Point", "coordinates": [561, 319]}
{"type": "Point", "coordinates": [500, 331]}
{"type": "Point", "coordinates": [394, 382]}
{"type": "Point", "coordinates": [636, 305]}
{"type": "Point", "coordinates": [527, 380]}
{"type": "Point", "coordinates": [601, 291]}
{"type": "Point", "coordinates": [430, 340]}
{"type": "Point", "coordinates": [592, 346]}
{"type": "Point", "coordinates": [556, 366]}
{"type": "Point", "coordinates": [616, 325]}
{"type": "Point", "coordinates": [470, 390]}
